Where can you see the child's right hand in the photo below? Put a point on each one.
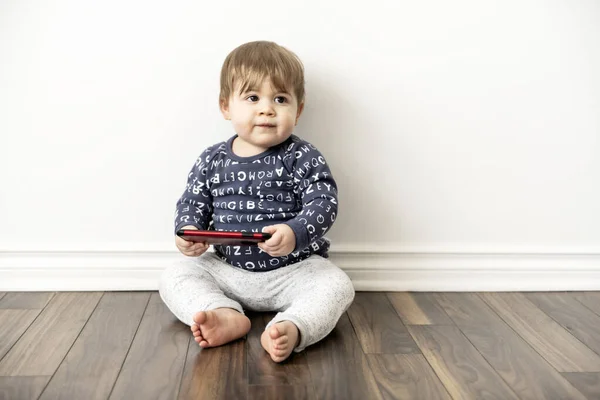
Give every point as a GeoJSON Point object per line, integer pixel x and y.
{"type": "Point", "coordinates": [190, 249]}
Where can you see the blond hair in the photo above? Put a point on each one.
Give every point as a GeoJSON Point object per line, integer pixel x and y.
{"type": "Point", "coordinates": [251, 63]}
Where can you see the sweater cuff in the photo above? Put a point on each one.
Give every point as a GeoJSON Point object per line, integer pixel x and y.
{"type": "Point", "coordinates": [182, 224]}
{"type": "Point", "coordinates": [301, 234]}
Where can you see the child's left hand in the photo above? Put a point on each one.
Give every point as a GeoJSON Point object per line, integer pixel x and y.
{"type": "Point", "coordinates": [282, 241]}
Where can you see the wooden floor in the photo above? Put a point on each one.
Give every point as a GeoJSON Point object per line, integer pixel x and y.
{"type": "Point", "coordinates": [127, 345]}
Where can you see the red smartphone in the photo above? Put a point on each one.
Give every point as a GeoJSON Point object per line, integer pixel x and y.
{"type": "Point", "coordinates": [218, 237]}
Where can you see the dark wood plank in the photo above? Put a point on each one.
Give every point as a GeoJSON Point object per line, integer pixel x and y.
{"type": "Point", "coordinates": [406, 376]}
{"type": "Point", "coordinates": [589, 299]}
{"type": "Point", "coordinates": [12, 325]}
{"type": "Point", "coordinates": [378, 326]}
{"type": "Point", "coordinates": [462, 370]}
{"type": "Point", "coordinates": [22, 387]}
{"type": "Point", "coordinates": [418, 309]}
{"type": "Point", "coordinates": [262, 370]}
{"type": "Point", "coordinates": [154, 364]}
{"type": "Point", "coordinates": [521, 367]}
{"type": "Point", "coordinates": [26, 300]}
{"type": "Point", "coordinates": [215, 373]}
{"type": "Point", "coordinates": [43, 346]}
{"type": "Point", "coordinates": [91, 367]}
{"type": "Point", "coordinates": [338, 367]}
{"type": "Point", "coordinates": [579, 320]}
{"type": "Point", "coordinates": [587, 383]}
{"type": "Point", "coordinates": [287, 392]}
{"type": "Point", "coordinates": [563, 351]}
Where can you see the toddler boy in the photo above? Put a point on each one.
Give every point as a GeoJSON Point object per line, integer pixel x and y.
{"type": "Point", "coordinates": [266, 179]}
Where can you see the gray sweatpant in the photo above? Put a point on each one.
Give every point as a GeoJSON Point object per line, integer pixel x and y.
{"type": "Point", "coordinates": [313, 293]}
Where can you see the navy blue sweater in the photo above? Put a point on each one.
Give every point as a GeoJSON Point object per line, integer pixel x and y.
{"type": "Point", "coordinates": [287, 184]}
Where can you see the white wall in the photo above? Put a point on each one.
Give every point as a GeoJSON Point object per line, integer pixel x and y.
{"type": "Point", "coordinates": [451, 127]}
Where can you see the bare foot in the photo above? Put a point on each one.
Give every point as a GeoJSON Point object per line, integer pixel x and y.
{"type": "Point", "coordinates": [280, 339]}
{"type": "Point", "coordinates": [216, 327]}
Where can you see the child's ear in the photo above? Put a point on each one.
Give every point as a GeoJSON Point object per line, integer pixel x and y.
{"type": "Point", "coordinates": [300, 109]}
{"type": "Point", "coordinates": [224, 106]}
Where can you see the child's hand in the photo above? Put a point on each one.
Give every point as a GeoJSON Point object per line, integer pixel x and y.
{"type": "Point", "coordinates": [282, 242]}
{"type": "Point", "coordinates": [190, 249]}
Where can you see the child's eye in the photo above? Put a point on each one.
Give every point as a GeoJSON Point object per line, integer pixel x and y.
{"type": "Point", "coordinates": [280, 100]}
{"type": "Point", "coordinates": [253, 98]}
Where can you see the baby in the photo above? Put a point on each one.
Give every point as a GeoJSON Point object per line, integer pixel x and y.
{"type": "Point", "coordinates": [262, 179]}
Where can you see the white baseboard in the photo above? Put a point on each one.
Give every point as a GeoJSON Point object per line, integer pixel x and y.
{"type": "Point", "coordinates": [370, 271]}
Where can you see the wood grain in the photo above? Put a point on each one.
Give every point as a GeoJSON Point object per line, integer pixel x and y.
{"type": "Point", "coordinates": [472, 350]}
{"type": "Point", "coordinates": [563, 351]}
{"type": "Point", "coordinates": [418, 309]}
{"type": "Point", "coordinates": [287, 392]}
{"type": "Point", "coordinates": [22, 387]}
{"type": "Point", "coordinates": [26, 300]}
{"type": "Point", "coordinates": [406, 376]}
{"type": "Point", "coordinates": [580, 321]}
{"type": "Point", "coordinates": [521, 367]}
{"type": "Point", "coordinates": [91, 367]}
{"type": "Point", "coordinates": [13, 323]}
{"type": "Point", "coordinates": [338, 367]}
{"type": "Point", "coordinates": [587, 383]}
{"type": "Point", "coordinates": [589, 299]}
{"type": "Point", "coordinates": [215, 373]}
{"type": "Point", "coordinates": [261, 369]}
{"type": "Point", "coordinates": [44, 345]}
{"type": "Point", "coordinates": [154, 364]}
{"type": "Point", "coordinates": [460, 367]}
{"type": "Point", "coordinates": [378, 326]}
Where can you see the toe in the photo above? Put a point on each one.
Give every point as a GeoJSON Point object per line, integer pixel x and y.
{"type": "Point", "coordinates": [277, 358]}
{"type": "Point", "coordinates": [274, 332]}
{"type": "Point", "coordinates": [200, 318]}
{"type": "Point", "coordinates": [281, 340]}
{"type": "Point", "coordinates": [280, 352]}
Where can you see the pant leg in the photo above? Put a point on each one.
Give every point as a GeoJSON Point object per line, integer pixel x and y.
{"type": "Point", "coordinates": [315, 296]}
{"type": "Point", "coordinates": [188, 287]}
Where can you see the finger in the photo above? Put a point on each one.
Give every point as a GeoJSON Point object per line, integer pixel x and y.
{"type": "Point", "coordinates": [269, 229]}
{"type": "Point", "coordinates": [197, 252]}
{"type": "Point", "coordinates": [195, 246]}
{"type": "Point", "coordinates": [274, 251]}
{"type": "Point", "coordinates": [180, 242]}
{"type": "Point", "coordinates": [183, 249]}
{"type": "Point", "coordinates": [275, 239]}
{"type": "Point", "coordinates": [265, 248]}
{"type": "Point", "coordinates": [270, 244]}
{"type": "Point", "coordinates": [194, 253]}
{"type": "Point", "coordinates": [201, 250]}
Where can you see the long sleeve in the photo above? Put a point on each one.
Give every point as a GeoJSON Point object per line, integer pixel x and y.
{"type": "Point", "coordinates": [194, 207]}
{"type": "Point", "coordinates": [318, 193]}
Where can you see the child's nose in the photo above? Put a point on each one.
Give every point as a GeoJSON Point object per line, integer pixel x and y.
{"type": "Point", "coordinates": [266, 109]}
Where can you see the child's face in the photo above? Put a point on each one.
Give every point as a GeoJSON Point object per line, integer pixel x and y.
{"type": "Point", "coordinates": [262, 117]}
